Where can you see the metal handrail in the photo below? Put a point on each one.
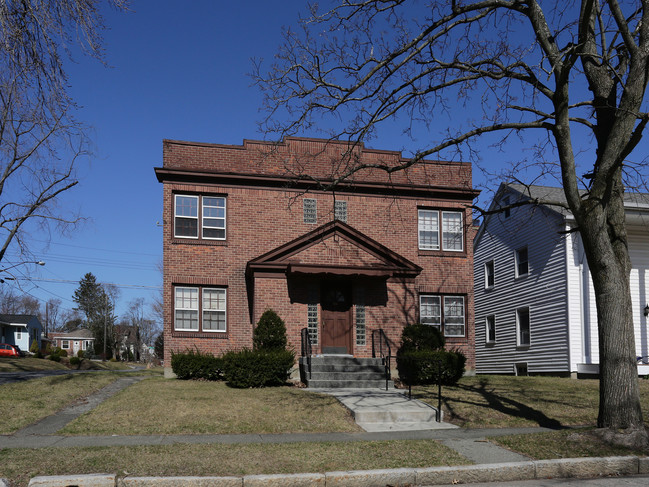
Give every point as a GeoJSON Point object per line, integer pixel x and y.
{"type": "Point", "coordinates": [307, 349]}
{"type": "Point", "coordinates": [384, 351]}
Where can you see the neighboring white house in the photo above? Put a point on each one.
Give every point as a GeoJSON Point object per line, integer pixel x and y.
{"type": "Point", "coordinates": [72, 342]}
{"type": "Point", "coordinates": [534, 300]}
{"type": "Point", "coordinates": [20, 330]}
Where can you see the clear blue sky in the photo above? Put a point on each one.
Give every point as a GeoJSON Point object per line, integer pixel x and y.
{"type": "Point", "coordinates": [178, 70]}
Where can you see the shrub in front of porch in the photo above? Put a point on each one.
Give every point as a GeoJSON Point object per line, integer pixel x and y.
{"type": "Point", "coordinates": [421, 359]}
{"type": "Point", "coordinates": [270, 332]}
{"type": "Point", "coordinates": [193, 364]}
{"type": "Point", "coordinates": [257, 368]}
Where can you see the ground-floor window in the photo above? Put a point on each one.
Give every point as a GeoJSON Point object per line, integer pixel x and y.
{"type": "Point", "coordinates": [200, 309]}
{"type": "Point", "coordinates": [447, 313]}
{"type": "Point", "coordinates": [65, 344]}
{"type": "Point", "coordinates": [523, 327]}
{"type": "Point", "coordinates": [490, 329]}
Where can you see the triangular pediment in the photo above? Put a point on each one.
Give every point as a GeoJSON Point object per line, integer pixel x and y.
{"type": "Point", "coordinates": [334, 248]}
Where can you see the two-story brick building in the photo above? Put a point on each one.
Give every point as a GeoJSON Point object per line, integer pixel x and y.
{"type": "Point", "coordinates": [251, 227]}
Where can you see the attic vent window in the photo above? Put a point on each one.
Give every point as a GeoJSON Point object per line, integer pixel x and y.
{"type": "Point", "coordinates": [310, 210]}
{"type": "Point", "coordinates": [340, 211]}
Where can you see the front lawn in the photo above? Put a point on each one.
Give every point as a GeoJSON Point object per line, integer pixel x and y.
{"type": "Point", "coordinates": [223, 460]}
{"type": "Point", "coordinates": [506, 401]}
{"type": "Point", "coordinates": [158, 406]}
{"type": "Point", "coordinates": [28, 364]}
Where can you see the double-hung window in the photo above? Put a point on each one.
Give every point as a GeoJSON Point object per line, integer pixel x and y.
{"type": "Point", "coordinates": [523, 327]}
{"type": "Point", "coordinates": [450, 227]}
{"type": "Point", "coordinates": [200, 309]}
{"type": "Point", "coordinates": [489, 274]}
{"type": "Point", "coordinates": [200, 217]}
{"type": "Point", "coordinates": [447, 313]}
{"type": "Point", "coordinates": [490, 329]}
{"type": "Point", "coordinates": [521, 263]}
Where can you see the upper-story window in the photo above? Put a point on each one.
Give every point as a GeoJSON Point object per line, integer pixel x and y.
{"type": "Point", "coordinates": [489, 274]}
{"type": "Point", "coordinates": [452, 230]}
{"type": "Point", "coordinates": [340, 211]}
{"type": "Point", "coordinates": [523, 327]}
{"type": "Point", "coordinates": [449, 318]}
{"type": "Point", "coordinates": [522, 266]}
{"type": "Point", "coordinates": [211, 224]}
{"type": "Point", "coordinates": [310, 208]}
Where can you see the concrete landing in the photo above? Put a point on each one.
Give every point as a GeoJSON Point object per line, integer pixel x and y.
{"type": "Point", "coordinates": [377, 410]}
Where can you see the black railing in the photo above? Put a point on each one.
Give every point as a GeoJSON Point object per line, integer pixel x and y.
{"type": "Point", "coordinates": [307, 351]}
{"type": "Point", "coordinates": [381, 348]}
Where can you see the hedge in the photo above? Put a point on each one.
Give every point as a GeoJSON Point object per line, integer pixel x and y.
{"type": "Point", "coordinates": [193, 364]}
{"type": "Point", "coordinates": [421, 367]}
{"type": "Point", "coordinates": [257, 368]}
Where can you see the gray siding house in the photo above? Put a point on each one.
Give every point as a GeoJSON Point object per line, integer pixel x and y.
{"type": "Point", "coordinates": [534, 302]}
{"type": "Point", "coordinates": [20, 330]}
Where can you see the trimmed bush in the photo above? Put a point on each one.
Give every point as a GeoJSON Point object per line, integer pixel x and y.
{"type": "Point", "coordinates": [257, 368]}
{"type": "Point", "coordinates": [421, 337]}
{"type": "Point", "coordinates": [55, 357]}
{"type": "Point", "coordinates": [75, 360]}
{"type": "Point", "coordinates": [34, 348]}
{"type": "Point", "coordinates": [270, 332]}
{"type": "Point", "coordinates": [80, 354]}
{"type": "Point", "coordinates": [193, 364]}
{"type": "Point", "coordinates": [421, 367]}
{"type": "Point", "coordinates": [62, 353]}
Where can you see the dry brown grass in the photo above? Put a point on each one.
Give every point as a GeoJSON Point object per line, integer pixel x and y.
{"type": "Point", "coordinates": [28, 364]}
{"type": "Point", "coordinates": [23, 403]}
{"type": "Point", "coordinates": [159, 406]}
{"type": "Point", "coordinates": [506, 401]}
{"type": "Point", "coordinates": [224, 460]}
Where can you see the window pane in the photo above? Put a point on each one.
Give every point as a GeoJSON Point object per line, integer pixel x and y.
{"type": "Point", "coordinates": [186, 320]}
{"type": "Point", "coordinates": [186, 216]}
{"type": "Point", "coordinates": [430, 310]}
{"type": "Point", "coordinates": [187, 206]}
{"type": "Point", "coordinates": [523, 321]}
{"type": "Point", "coordinates": [489, 274]}
{"type": "Point", "coordinates": [214, 320]}
{"type": "Point", "coordinates": [522, 267]}
{"type": "Point", "coordinates": [186, 308]}
{"type": "Point", "coordinates": [214, 218]}
{"type": "Point", "coordinates": [214, 304]}
{"type": "Point", "coordinates": [490, 332]}
{"type": "Point", "coordinates": [428, 230]}
{"type": "Point", "coordinates": [214, 299]}
{"type": "Point", "coordinates": [452, 231]}
{"type": "Point", "coordinates": [454, 316]}
{"type": "Point", "coordinates": [186, 227]}
{"type": "Point", "coordinates": [340, 211]}
{"type": "Point", "coordinates": [309, 206]}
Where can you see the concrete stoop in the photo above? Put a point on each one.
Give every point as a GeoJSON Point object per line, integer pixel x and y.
{"type": "Point", "coordinates": [499, 472]}
{"type": "Point", "coordinates": [343, 371]}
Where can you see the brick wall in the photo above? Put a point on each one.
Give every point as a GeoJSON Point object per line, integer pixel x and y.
{"type": "Point", "coordinates": [259, 219]}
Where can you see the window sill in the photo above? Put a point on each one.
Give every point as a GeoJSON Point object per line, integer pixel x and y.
{"type": "Point", "coordinates": [194, 241]}
{"type": "Point", "coordinates": [200, 334]}
{"type": "Point", "coordinates": [522, 347]}
{"type": "Point", "coordinates": [441, 253]}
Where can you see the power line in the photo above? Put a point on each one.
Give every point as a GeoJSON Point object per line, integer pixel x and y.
{"type": "Point", "coordinates": [68, 281]}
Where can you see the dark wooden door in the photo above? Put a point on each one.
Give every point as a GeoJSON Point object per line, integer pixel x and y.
{"type": "Point", "coordinates": [336, 303]}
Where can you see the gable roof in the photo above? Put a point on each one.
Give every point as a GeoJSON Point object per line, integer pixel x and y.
{"type": "Point", "coordinates": [11, 319]}
{"type": "Point", "coordinates": [81, 333]}
{"type": "Point", "coordinates": [367, 257]}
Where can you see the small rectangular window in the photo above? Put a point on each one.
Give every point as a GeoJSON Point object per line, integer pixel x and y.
{"type": "Point", "coordinates": [452, 231]}
{"type": "Point", "coordinates": [489, 274]}
{"type": "Point", "coordinates": [212, 222]}
{"type": "Point", "coordinates": [310, 208]}
{"type": "Point", "coordinates": [213, 218]}
{"type": "Point", "coordinates": [312, 314]}
{"type": "Point", "coordinates": [522, 264]}
{"type": "Point", "coordinates": [454, 316]}
{"type": "Point", "coordinates": [490, 329]}
{"type": "Point", "coordinates": [340, 211]}
{"type": "Point", "coordinates": [360, 318]}
{"type": "Point", "coordinates": [523, 327]}
{"type": "Point", "coordinates": [65, 344]}
{"type": "Point", "coordinates": [213, 309]}
{"type": "Point", "coordinates": [428, 223]}
{"type": "Point", "coordinates": [186, 308]}
{"type": "Point", "coordinates": [186, 216]}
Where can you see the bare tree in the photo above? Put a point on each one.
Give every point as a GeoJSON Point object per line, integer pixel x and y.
{"type": "Point", "coordinates": [566, 79]}
{"type": "Point", "coordinates": [52, 315]}
{"type": "Point", "coordinates": [40, 139]}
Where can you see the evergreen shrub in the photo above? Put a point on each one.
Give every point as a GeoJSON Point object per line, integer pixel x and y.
{"type": "Point", "coordinates": [80, 354]}
{"type": "Point", "coordinates": [194, 364]}
{"type": "Point", "coordinates": [270, 332]}
{"type": "Point", "coordinates": [55, 357]}
{"type": "Point", "coordinates": [75, 360]}
{"type": "Point", "coordinates": [34, 346]}
{"type": "Point", "coordinates": [257, 368]}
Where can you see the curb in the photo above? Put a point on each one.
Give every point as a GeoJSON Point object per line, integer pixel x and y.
{"type": "Point", "coordinates": [497, 472]}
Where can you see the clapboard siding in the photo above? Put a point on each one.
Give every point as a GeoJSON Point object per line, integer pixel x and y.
{"type": "Point", "coordinates": [544, 291]}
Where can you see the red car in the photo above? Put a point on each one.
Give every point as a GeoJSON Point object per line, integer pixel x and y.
{"type": "Point", "coordinates": [7, 350]}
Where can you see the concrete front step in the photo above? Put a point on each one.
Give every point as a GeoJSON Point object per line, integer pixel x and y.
{"type": "Point", "coordinates": [349, 384]}
{"type": "Point", "coordinates": [343, 371]}
{"type": "Point", "coordinates": [353, 375]}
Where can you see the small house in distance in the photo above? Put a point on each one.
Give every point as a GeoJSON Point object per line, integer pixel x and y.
{"type": "Point", "coordinates": [534, 299]}
{"type": "Point", "coordinates": [251, 227]}
{"type": "Point", "coordinates": [20, 330]}
{"type": "Point", "coordinates": [72, 342]}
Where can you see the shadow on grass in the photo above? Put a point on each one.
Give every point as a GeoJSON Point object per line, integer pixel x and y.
{"type": "Point", "coordinates": [502, 404]}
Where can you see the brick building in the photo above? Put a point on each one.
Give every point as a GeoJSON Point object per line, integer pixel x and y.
{"type": "Point", "coordinates": [251, 227]}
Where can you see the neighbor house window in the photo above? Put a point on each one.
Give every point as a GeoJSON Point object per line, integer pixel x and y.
{"type": "Point", "coordinates": [340, 211]}
{"type": "Point", "coordinates": [310, 209]}
{"type": "Point", "coordinates": [19, 335]}
{"type": "Point", "coordinates": [490, 329]}
{"type": "Point", "coordinates": [489, 274]}
{"type": "Point", "coordinates": [506, 205]}
{"type": "Point", "coordinates": [65, 344]}
{"type": "Point", "coordinates": [211, 224]}
{"type": "Point", "coordinates": [200, 309]}
{"type": "Point", "coordinates": [521, 262]}
{"type": "Point", "coordinates": [447, 313]}
{"type": "Point", "coordinates": [523, 327]}
{"type": "Point", "coordinates": [451, 231]}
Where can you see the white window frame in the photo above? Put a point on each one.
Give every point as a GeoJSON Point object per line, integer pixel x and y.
{"type": "Point", "coordinates": [490, 325]}
{"type": "Point", "coordinates": [489, 265]}
{"type": "Point", "coordinates": [222, 309]}
{"type": "Point", "coordinates": [200, 308]}
{"type": "Point", "coordinates": [518, 261]}
{"type": "Point", "coordinates": [519, 331]}
{"type": "Point", "coordinates": [201, 217]}
{"type": "Point", "coordinates": [65, 344]}
{"type": "Point", "coordinates": [427, 315]}
{"type": "Point", "coordinates": [457, 230]}
{"type": "Point", "coordinates": [424, 225]}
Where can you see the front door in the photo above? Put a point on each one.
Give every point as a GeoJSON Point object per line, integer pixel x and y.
{"type": "Point", "coordinates": [336, 302]}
